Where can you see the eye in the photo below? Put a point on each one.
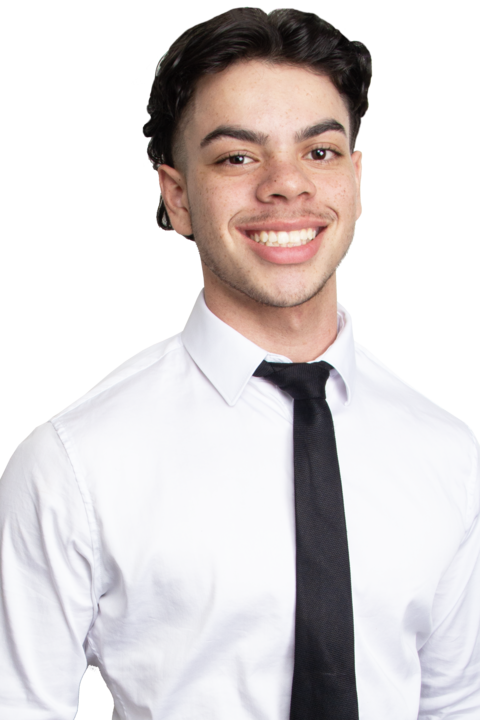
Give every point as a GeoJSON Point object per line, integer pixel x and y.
{"type": "Point", "coordinates": [322, 154]}
{"type": "Point", "coordinates": [236, 159]}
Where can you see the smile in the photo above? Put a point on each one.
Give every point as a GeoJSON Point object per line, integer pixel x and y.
{"type": "Point", "coordinates": [294, 238]}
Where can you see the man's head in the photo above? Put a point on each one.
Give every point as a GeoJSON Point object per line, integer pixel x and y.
{"type": "Point", "coordinates": [254, 120]}
{"type": "Point", "coordinates": [282, 36]}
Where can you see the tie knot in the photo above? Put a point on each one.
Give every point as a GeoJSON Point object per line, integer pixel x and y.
{"type": "Point", "coordinates": [300, 380]}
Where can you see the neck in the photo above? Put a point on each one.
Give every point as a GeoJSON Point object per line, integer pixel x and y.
{"type": "Point", "coordinates": [301, 333]}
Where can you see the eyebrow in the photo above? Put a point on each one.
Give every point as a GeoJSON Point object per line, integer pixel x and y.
{"type": "Point", "coordinates": [251, 136]}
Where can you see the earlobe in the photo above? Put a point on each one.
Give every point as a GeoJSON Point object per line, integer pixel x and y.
{"type": "Point", "coordinates": [174, 192]}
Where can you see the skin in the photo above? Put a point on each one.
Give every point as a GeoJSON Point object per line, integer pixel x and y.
{"type": "Point", "coordinates": [283, 299]}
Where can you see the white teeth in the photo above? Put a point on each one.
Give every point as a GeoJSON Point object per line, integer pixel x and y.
{"type": "Point", "coordinates": [284, 239]}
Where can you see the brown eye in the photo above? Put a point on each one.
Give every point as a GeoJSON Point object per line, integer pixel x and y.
{"type": "Point", "coordinates": [236, 159]}
{"type": "Point", "coordinates": [323, 154]}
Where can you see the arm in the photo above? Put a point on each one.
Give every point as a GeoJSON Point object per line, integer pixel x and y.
{"type": "Point", "coordinates": [46, 598]}
{"type": "Point", "coordinates": [450, 659]}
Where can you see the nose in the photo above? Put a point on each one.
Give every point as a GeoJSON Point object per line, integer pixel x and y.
{"type": "Point", "coordinates": [284, 180]}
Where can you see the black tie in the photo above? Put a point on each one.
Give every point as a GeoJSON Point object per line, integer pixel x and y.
{"type": "Point", "coordinates": [324, 685]}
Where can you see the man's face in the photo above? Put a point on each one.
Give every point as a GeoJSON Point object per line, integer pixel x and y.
{"type": "Point", "coordinates": [266, 181]}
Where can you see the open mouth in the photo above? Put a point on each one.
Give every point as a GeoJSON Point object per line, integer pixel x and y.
{"type": "Point", "coordinates": [294, 238]}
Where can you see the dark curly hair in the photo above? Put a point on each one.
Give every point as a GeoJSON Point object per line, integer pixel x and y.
{"type": "Point", "coordinates": [282, 36]}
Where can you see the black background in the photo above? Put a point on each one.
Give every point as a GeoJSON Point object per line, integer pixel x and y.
{"type": "Point", "coordinates": [88, 280]}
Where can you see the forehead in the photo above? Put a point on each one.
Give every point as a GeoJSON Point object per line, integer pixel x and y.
{"type": "Point", "coordinates": [266, 97]}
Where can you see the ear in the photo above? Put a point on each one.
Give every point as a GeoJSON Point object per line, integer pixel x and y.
{"type": "Point", "coordinates": [174, 193]}
{"type": "Point", "coordinates": [357, 167]}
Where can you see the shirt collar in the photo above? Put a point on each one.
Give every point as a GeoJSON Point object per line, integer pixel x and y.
{"type": "Point", "coordinates": [228, 359]}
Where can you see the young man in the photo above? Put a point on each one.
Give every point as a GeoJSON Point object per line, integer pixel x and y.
{"type": "Point", "coordinates": [219, 538]}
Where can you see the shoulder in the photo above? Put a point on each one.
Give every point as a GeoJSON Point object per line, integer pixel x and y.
{"type": "Point", "coordinates": [414, 431]}
{"type": "Point", "coordinates": [162, 358]}
{"type": "Point", "coordinates": [398, 399]}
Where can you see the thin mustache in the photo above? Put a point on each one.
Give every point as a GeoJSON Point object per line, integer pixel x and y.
{"type": "Point", "coordinates": [268, 217]}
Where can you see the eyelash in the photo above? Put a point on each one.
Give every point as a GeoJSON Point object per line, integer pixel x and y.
{"type": "Point", "coordinates": [246, 155]}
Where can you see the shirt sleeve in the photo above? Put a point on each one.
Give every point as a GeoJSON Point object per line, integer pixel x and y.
{"type": "Point", "coordinates": [450, 659]}
{"type": "Point", "coordinates": [46, 594]}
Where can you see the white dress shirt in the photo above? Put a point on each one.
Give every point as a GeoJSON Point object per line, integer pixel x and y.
{"type": "Point", "coordinates": [149, 529]}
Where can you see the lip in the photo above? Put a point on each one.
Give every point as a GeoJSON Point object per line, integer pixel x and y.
{"type": "Point", "coordinates": [285, 255]}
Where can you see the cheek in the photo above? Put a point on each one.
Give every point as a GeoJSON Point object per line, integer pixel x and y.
{"type": "Point", "coordinates": [201, 204]}
{"type": "Point", "coordinates": [343, 196]}
{"type": "Point", "coordinates": [211, 210]}
{"type": "Point", "coordinates": [216, 201]}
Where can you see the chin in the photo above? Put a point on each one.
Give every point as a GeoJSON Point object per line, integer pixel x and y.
{"type": "Point", "coordinates": [279, 297]}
